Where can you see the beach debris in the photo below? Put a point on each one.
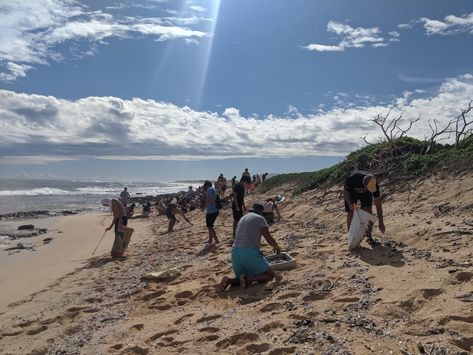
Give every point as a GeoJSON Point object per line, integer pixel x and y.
{"type": "Point", "coordinates": [21, 246]}
{"type": "Point", "coordinates": [26, 227]}
{"type": "Point", "coordinates": [161, 275]}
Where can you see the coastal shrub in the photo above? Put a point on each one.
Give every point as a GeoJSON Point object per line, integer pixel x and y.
{"type": "Point", "coordinates": [406, 157]}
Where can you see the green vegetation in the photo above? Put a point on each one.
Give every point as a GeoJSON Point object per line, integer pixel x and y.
{"type": "Point", "coordinates": [406, 157]}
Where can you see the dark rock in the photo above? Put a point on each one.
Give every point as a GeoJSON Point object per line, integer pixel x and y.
{"type": "Point", "coordinates": [25, 227]}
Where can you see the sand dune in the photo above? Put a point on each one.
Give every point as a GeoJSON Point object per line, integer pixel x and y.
{"type": "Point", "coordinates": [411, 293]}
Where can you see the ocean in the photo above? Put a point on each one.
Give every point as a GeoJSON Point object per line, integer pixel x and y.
{"type": "Point", "coordinates": [27, 195]}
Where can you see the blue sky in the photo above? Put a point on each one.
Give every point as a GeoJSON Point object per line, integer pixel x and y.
{"type": "Point", "coordinates": [194, 88]}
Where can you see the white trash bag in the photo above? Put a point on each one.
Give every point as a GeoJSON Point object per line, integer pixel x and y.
{"type": "Point", "coordinates": [358, 227]}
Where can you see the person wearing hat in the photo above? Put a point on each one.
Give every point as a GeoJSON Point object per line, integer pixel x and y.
{"type": "Point", "coordinates": [123, 233]}
{"type": "Point", "coordinates": [249, 264]}
{"type": "Point", "coordinates": [363, 186]}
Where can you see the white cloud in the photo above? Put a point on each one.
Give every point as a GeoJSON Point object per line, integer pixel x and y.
{"type": "Point", "coordinates": [450, 25]}
{"type": "Point", "coordinates": [31, 31]}
{"type": "Point", "coordinates": [351, 37]}
{"type": "Point", "coordinates": [110, 127]}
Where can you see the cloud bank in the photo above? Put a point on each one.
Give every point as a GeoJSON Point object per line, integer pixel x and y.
{"type": "Point", "coordinates": [33, 30]}
{"type": "Point", "coordinates": [113, 128]}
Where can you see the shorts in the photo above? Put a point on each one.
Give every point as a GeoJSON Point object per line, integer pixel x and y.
{"type": "Point", "coordinates": [237, 215]}
{"type": "Point", "coordinates": [210, 219]}
{"type": "Point", "coordinates": [268, 216]}
{"type": "Point", "coordinates": [171, 216]}
{"type": "Point", "coordinates": [248, 262]}
{"type": "Point", "coordinates": [365, 198]}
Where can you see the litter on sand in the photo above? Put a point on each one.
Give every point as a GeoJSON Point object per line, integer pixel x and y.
{"type": "Point", "coordinates": [161, 275]}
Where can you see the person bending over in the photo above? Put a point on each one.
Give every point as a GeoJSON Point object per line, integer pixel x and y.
{"type": "Point", "coordinates": [171, 211]}
{"type": "Point", "coordinates": [364, 187]}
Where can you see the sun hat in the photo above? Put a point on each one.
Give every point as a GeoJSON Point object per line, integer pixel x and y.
{"type": "Point", "coordinates": [371, 185]}
{"type": "Point", "coordinates": [257, 208]}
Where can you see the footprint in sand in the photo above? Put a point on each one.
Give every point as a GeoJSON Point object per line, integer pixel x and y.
{"type": "Point", "coordinates": [139, 326]}
{"type": "Point", "coordinates": [270, 307]}
{"type": "Point", "coordinates": [270, 326]}
{"type": "Point", "coordinates": [462, 319]}
{"type": "Point", "coordinates": [464, 343]}
{"type": "Point", "coordinates": [93, 300]}
{"type": "Point", "coordinates": [209, 329]}
{"type": "Point", "coordinates": [160, 307]}
{"type": "Point", "coordinates": [162, 334]}
{"type": "Point", "coordinates": [281, 351]}
{"type": "Point", "coordinates": [289, 295]}
{"type": "Point", "coordinates": [207, 338]}
{"type": "Point", "coordinates": [184, 317]}
{"type": "Point", "coordinates": [208, 318]}
{"type": "Point", "coordinates": [237, 339]}
{"type": "Point", "coordinates": [12, 332]}
{"type": "Point", "coordinates": [315, 296]}
{"type": "Point", "coordinates": [430, 293]}
{"type": "Point", "coordinates": [464, 276]}
{"type": "Point", "coordinates": [347, 299]}
{"type": "Point", "coordinates": [183, 294]}
{"type": "Point", "coordinates": [117, 346]}
{"type": "Point", "coordinates": [258, 348]}
{"type": "Point", "coordinates": [36, 330]}
{"type": "Point", "coordinates": [153, 295]}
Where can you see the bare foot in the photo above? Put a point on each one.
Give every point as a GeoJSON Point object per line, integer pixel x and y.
{"type": "Point", "coordinates": [222, 286]}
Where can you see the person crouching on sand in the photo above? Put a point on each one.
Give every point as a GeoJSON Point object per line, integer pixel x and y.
{"type": "Point", "coordinates": [248, 262]}
{"type": "Point", "coordinates": [171, 211]}
{"type": "Point", "coordinates": [122, 232]}
{"type": "Point", "coordinates": [211, 211]}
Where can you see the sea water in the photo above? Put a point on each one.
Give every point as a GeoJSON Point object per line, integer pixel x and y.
{"type": "Point", "coordinates": [58, 195]}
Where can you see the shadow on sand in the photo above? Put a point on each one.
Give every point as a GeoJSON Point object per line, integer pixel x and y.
{"type": "Point", "coordinates": [96, 263]}
{"type": "Point", "coordinates": [380, 255]}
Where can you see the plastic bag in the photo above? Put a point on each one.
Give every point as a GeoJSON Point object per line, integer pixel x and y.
{"type": "Point", "coordinates": [358, 226]}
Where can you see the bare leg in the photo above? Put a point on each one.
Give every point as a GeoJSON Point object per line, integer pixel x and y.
{"type": "Point", "coordinates": [172, 222]}
{"type": "Point", "coordinates": [227, 281]}
{"type": "Point", "coordinates": [235, 223]}
{"type": "Point", "coordinates": [349, 218]}
{"type": "Point", "coordinates": [212, 235]}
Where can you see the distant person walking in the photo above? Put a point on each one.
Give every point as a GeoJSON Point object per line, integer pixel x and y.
{"type": "Point", "coordinates": [233, 181]}
{"type": "Point", "coordinates": [125, 196]}
{"type": "Point", "coordinates": [246, 180]}
{"type": "Point", "coordinates": [363, 186]}
{"type": "Point", "coordinates": [263, 177]}
{"type": "Point", "coordinates": [211, 211]}
{"type": "Point", "coordinates": [221, 185]}
{"type": "Point", "coordinates": [238, 204]}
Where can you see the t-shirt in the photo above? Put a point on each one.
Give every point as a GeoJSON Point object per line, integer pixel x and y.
{"type": "Point", "coordinates": [211, 207]}
{"type": "Point", "coordinates": [248, 231]}
{"type": "Point", "coordinates": [238, 195]}
{"type": "Point", "coordinates": [354, 183]}
{"type": "Point", "coordinates": [124, 196]}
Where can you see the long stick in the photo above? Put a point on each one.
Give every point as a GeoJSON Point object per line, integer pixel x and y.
{"type": "Point", "coordinates": [99, 242]}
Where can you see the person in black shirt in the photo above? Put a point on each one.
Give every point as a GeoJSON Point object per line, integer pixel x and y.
{"type": "Point", "coordinates": [238, 203]}
{"type": "Point", "coordinates": [363, 186]}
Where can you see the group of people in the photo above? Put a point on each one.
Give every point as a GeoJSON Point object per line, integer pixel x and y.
{"type": "Point", "coordinates": [248, 262]}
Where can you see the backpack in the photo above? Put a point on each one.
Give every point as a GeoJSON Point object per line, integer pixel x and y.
{"type": "Point", "coordinates": [218, 202]}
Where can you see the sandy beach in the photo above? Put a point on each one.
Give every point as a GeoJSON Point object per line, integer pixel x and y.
{"type": "Point", "coordinates": [410, 294]}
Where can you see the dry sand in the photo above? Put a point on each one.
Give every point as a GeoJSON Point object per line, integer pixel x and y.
{"type": "Point", "coordinates": [413, 293]}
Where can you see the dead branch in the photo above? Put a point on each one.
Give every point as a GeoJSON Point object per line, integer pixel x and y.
{"type": "Point", "coordinates": [436, 133]}
{"type": "Point", "coordinates": [461, 124]}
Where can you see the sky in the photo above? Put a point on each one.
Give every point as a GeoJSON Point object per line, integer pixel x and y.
{"type": "Point", "coordinates": [163, 90]}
